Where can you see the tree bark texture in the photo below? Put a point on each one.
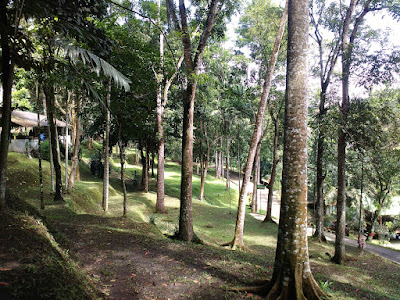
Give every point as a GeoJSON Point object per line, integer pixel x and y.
{"type": "Point", "coordinates": [227, 163]}
{"type": "Point", "coordinates": [75, 155]}
{"type": "Point", "coordinates": [49, 95]}
{"type": "Point", "coordinates": [42, 206]}
{"type": "Point", "coordinates": [145, 169]}
{"type": "Point", "coordinates": [186, 232]}
{"type": "Point", "coordinates": [256, 179]}
{"type": "Point", "coordinates": [160, 207]}
{"type": "Point", "coordinates": [268, 217]}
{"type": "Point", "coordinates": [319, 220]}
{"type": "Point", "coordinates": [204, 172]}
{"type": "Point", "coordinates": [106, 173]}
{"type": "Point", "coordinates": [66, 140]}
{"type": "Point", "coordinates": [292, 277]}
{"type": "Point", "coordinates": [7, 63]}
{"type": "Point", "coordinates": [344, 110]}
{"type": "Point", "coordinates": [122, 161]}
{"type": "Point", "coordinates": [238, 236]}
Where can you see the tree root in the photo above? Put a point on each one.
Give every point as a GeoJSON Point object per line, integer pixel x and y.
{"type": "Point", "coordinates": [269, 221]}
{"type": "Point", "coordinates": [234, 247]}
{"type": "Point", "coordinates": [259, 288]}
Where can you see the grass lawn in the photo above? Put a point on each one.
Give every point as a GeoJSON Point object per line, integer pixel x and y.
{"type": "Point", "coordinates": [206, 270]}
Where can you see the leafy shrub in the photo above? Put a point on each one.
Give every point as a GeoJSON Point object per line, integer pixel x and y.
{"type": "Point", "coordinates": [45, 148]}
{"type": "Point", "coordinates": [96, 165]}
{"type": "Point", "coordinates": [130, 159]}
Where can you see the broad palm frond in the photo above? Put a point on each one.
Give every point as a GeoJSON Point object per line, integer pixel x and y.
{"type": "Point", "coordinates": [97, 63]}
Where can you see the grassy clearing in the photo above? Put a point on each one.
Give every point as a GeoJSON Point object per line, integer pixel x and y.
{"type": "Point", "coordinates": [363, 277]}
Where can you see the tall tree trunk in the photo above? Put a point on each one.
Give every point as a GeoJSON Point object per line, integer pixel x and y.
{"type": "Point", "coordinates": [268, 217]}
{"type": "Point", "coordinates": [292, 277]}
{"type": "Point", "coordinates": [153, 157]}
{"type": "Point", "coordinates": [66, 140]}
{"type": "Point", "coordinates": [106, 173]}
{"type": "Point", "coordinates": [255, 179]}
{"type": "Point", "coordinates": [227, 163]}
{"type": "Point", "coordinates": [238, 163]}
{"type": "Point", "coordinates": [216, 164]}
{"type": "Point", "coordinates": [49, 95]}
{"type": "Point", "coordinates": [344, 109]}
{"type": "Point", "coordinates": [52, 179]}
{"type": "Point", "coordinates": [160, 207]}
{"type": "Point", "coordinates": [204, 172]}
{"type": "Point", "coordinates": [144, 185]}
{"type": "Point", "coordinates": [136, 155]}
{"type": "Point", "coordinates": [186, 232]}
{"type": "Point", "coordinates": [39, 149]}
{"type": "Point", "coordinates": [73, 175]}
{"type": "Point", "coordinates": [221, 162]}
{"type": "Point", "coordinates": [192, 70]}
{"type": "Point", "coordinates": [238, 236]}
{"type": "Point", "coordinates": [320, 215]}
{"type": "Point", "coordinates": [7, 63]}
{"type": "Point", "coordinates": [122, 162]}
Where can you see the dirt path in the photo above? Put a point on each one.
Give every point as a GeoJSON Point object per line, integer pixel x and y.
{"type": "Point", "coordinates": [133, 261]}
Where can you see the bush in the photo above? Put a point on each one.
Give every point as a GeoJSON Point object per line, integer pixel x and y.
{"type": "Point", "coordinates": [130, 159]}
{"type": "Point", "coordinates": [96, 165]}
{"type": "Point", "coordinates": [45, 148]}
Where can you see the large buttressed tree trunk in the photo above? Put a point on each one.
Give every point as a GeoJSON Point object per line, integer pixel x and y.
{"type": "Point", "coordinates": [238, 236]}
{"type": "Point", "coordinates": [7, 64]}
{"type": "Point", "coordinates": [292, 277]}
{"type": "Point", "coordinates": [48, 89]}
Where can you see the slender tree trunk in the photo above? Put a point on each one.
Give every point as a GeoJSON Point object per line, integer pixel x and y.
{"type": "Point", "coordinates": [292, 277]}
{"type": "Point", "coordinates": [216, 164]}
{"type": "Point", "coordinates": [227, 163]}
{"type": "Point", "coordinates": [136, 155]}
{"type": "Point", "coordinates": [221, 162]}
{"type": "Point", "coordinates": [122, 161]}
{"type": "Point", "coordinates": [49, 93]}
{"type": "Point", "coordinates": [39, 150]}
{"type": "Point", "coordinates": [7, 63]}
{"type": "Point", "coordinates": [238, 236]}
{"type": "Point", "coordinates": [52, 179]}
{"type": "Point", "coordinates": [255, 179]}
{"type": "Point", "coordinates": [192, 70]}
{"type": "Point", "coordinates": [319, 220]}
{"type": "Point", "coordinates": [153, 156]}
{"type": "Point", "coordinates": [344, 109]}
{"type": "Point", "coordinates": [66, 140]}
{"type": "Point", "coordinates": [268, 217]}
{"type": "Point", "coordinates": [186, 232]}
{"type": "Point", "coordinates": [75, 156]}
{"type": "Point", "coordinates": [145, 169]}
{"type": "Point", "coordinates": [160, 207]}
{"type": "Point", "coordinates": [238, 164]}
{"type": "Point", "coordinates": [204, 172]}
{"type": "Point", "coordinates": [106, 175]}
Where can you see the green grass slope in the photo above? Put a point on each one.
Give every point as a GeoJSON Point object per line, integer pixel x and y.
{"type": "Point", "coordinates": [362, 277]}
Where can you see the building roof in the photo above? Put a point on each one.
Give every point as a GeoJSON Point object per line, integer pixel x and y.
{"type": "Point", "coordinates": [30, 119]}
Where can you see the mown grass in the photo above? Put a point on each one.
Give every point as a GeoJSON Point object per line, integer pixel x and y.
{"type": "Point", "coordinates": [363, 277]}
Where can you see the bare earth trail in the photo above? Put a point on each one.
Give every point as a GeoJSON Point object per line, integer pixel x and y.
{"type": "Point", "coordinates": [134, 261]}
